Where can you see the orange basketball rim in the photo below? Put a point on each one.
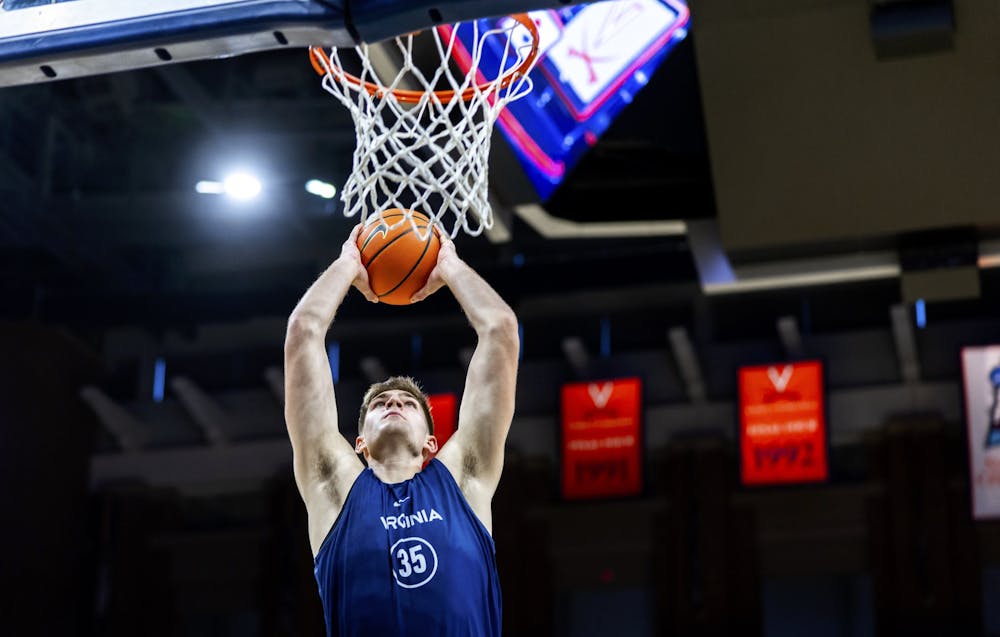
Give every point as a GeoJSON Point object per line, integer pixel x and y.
{"type": "Point", "coordinates": [321, 62]}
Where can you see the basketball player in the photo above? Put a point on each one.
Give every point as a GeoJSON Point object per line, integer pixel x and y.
{"type": "Point", "coordinates": [399, 550]}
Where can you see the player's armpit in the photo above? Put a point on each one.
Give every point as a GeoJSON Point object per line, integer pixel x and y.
{"type": "Point", "coordinates": [476, 449]}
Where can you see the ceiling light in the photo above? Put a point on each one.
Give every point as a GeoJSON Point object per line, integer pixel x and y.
{"type": "Point", "coordinates": [241, 186]}
{"type": "Point", "coordinates": [209, 188]}
{"type": "Point", "coordinates": [321, 189]}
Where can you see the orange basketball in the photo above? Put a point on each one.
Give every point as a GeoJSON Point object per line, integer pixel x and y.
{"type": "Point", "coordinates": [398, 260]}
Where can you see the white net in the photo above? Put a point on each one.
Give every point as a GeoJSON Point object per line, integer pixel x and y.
{"type": "Point", "coordinates": [424, 137]}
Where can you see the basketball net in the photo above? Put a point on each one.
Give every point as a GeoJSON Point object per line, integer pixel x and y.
{"type": "Point", "coordinates": [426, 148]}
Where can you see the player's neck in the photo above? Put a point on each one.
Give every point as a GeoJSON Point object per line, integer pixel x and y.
{"type": "Point", "coordinates": [396, 468]}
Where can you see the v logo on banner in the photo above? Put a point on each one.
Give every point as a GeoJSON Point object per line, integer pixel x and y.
{"type": "Point", "coordinates": [780, 380]}
{"type": "Point", "coordinates": [600, 394]}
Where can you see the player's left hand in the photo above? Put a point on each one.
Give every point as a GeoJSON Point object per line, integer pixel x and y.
{"type": "Point", "coordinates": [436, 281]}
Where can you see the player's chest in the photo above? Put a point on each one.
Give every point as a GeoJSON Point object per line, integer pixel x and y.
{"type": "Point", "coordinates": [425, 541]}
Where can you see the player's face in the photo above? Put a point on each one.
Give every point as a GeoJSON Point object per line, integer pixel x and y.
{"type": "Point", "coordinates": [395, 411]}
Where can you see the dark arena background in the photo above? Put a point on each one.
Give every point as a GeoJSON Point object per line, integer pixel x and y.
{"type": "Point", "coordinates": [756, 395]}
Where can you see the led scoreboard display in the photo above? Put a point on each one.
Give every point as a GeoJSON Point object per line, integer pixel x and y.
{"type": "Point", "coordinates": [783, 435]}
{"type": "Point", "coordinates": [592, 59]}
{"type": "Point", "coordinates": [601, 439]}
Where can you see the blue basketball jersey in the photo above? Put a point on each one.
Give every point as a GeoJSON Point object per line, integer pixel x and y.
{"type": "Point", "coordinates": [409, 559]}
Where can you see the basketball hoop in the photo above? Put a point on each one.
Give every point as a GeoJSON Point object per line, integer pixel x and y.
{"type": "Point", "coordinates": [423, 138]}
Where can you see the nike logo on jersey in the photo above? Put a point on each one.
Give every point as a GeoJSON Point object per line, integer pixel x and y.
{"type": "Point", "coordinates": [399, 502]}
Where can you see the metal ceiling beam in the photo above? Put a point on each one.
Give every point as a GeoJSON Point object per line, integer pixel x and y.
{"type": "Point", "coordinates": [794, 273]}
{"type": "Point", "coordinates": [555, 228]}
{"type": "Point", "coordinates": [241, 466]}
{"type": "Point", "coordinates": [791, 336]}
{"type": "Point", "coordinates": [276, 382]}
{"type": "Point", "coordinates": [130, 434]}
{"type": "Point", "coordinates": [710, 258]}
{"type": "Point", "coordinates": [687, 363]}
{"type": "Point", "coordinates": [500, 231]}
{"type": "Point", "coordinates": [576, 354]}
{"type": "Point", "coordinates": [204, 410]}
{"type": "Point", "coordinates": [906, 343]}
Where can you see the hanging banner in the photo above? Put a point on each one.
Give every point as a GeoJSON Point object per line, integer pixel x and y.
{"type": "Point", "coordinates": [981, 379]}
{"type": "Point", "coordinates": [444, 411]}
{"type": "Point", "coordinates": [783, 438]}
{"type": "Point", "coordinates": [601, 439]}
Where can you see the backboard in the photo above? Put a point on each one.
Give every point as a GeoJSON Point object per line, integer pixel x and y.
{"type": "Point", "coordinates": [50, 40]}
{"type": "Point", "coordinates": [85, 37]}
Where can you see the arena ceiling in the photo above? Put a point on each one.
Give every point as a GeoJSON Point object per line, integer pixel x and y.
{"type": "Point", "coordinates": [101, 227]}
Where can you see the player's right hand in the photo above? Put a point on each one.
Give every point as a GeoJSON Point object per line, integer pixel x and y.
{"type": "Point", "coordinates": [350, 255]}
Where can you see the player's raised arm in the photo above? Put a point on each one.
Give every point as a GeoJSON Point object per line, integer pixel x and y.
{"type": "Point", "coordinates": [324, 463]}
{"type": "Point", "coordinates": [476, 450]}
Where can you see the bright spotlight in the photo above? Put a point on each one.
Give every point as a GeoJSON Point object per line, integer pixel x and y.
{"type": "Point", "coordinates": [321, 189]}
{"type": "Point", "coordinates": [209, 188]}
{"type": "Point", "coordinates": [241, 186]}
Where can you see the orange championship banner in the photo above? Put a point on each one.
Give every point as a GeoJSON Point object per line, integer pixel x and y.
{"type": "Point", "coordinates": [783, 437]}
{"type": "Point", "coordinates": [981, 380]}
{"type": "Point", "coordinates": [601, 439]}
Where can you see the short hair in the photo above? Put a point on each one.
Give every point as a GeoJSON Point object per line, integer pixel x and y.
{"type": "Point", "coordinates": [404, 383]}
